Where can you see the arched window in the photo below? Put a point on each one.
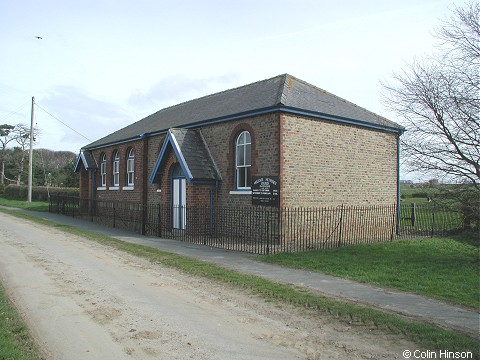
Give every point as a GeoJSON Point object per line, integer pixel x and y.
{"type": "Point", "coordinates": [243, 161]}
{"type": "Point", "coordinates": [130, 167]}
{"type": "Point", "coordinates": [103, 171]}
{"type": "Point", "coordinates": [116, 169]}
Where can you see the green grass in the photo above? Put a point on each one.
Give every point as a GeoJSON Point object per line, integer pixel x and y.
{"type": "Point", "coordinates": [425, 335]}
{"type": "Point", "coordinates": [441, 268]}
{"type": "Point", "coordinates": [34, 205]}
{"type": "Point", "coordinates": [416, 194]}
{"type": "Point", "coordinates": [15, 340]}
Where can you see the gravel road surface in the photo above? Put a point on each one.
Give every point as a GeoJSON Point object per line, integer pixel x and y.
{"type": "Point", "coordinates": [83, 300]}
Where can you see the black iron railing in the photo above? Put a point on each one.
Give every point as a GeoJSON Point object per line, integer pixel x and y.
{"type": "Point", "coordinates": [266, 230]}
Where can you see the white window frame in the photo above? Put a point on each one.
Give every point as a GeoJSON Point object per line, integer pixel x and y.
{"type": "Point", "coordinates": [103, 172]}
{"type": "Point", "coordinates": [116, 170]}
{"type": "Point", "coordinates": [243, 143]}
{"type": "Point", "coordinates": [130, 168]}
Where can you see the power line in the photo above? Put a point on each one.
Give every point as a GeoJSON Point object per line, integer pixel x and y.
{"type": "Point", "coordinates": [60, 121]}
{"type": "Point", "coordinates": [14, 111]}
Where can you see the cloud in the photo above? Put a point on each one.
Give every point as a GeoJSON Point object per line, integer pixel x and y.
{"type": "Point", "coordinates": [73, 118]}
{"type": "Point", "coordinates": [175, 89]}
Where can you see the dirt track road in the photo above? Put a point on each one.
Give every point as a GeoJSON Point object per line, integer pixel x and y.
{"type": "Point", "coordinates": [82, 300]}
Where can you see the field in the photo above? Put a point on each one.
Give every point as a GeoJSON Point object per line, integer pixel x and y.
{"type": "Point", "coordinates": [417, 194]}
{"type": "Point", "coordinates": [430, 211]}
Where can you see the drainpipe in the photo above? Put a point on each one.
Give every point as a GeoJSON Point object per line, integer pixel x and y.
{"type": "Point", "coordinates": [398, 184]}
{"type": "Point", "coordinates": [144, 181]}
{"type": "Point", "coordinates": [92, 192]}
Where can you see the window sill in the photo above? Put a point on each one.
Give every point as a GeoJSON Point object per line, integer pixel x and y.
{"type": "Point", "coordinates": [241, 192]}
{"type": "Point", "coordinates": [114, 188]}
{"type": "Point", "coordinates": [128, 188]}
{"type": "Point", "coordinates": [102, 188]}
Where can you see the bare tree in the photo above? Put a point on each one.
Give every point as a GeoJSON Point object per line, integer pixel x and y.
{"type": "Point", "coordinates": [22, 137]}
{"type": "Point", "coordinates": [6, 136]}
{"type": "Point", "coordinates": [438, 101]}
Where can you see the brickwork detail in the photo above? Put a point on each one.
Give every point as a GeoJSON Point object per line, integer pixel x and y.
{"type": "Point", "coordinates": [328, 164]}
{"type": "Point", "coordinates": [221, 138]}
{"type": "Point", "coordinates": [130, 195]}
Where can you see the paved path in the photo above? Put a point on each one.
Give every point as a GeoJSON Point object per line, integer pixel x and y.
{"type": "Point", "coordinates": [429, 310]}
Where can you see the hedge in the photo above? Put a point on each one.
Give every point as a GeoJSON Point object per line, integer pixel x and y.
{"type": "Point", "coordinates": [39, 193]}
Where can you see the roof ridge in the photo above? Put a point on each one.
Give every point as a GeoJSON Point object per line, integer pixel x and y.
{"type": "Point", "coordinates": [282, 96]}
{"type": "Point", "coordinates": [279, 93]}
{"type": "Point", "coordinates": [340, 98]}
{"type": "Point", "coordinates": [214, 94]}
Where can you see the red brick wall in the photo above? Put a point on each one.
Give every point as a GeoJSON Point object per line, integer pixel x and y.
{"type": "Point", "coordinates": [84, 183]}
{"type": "Point", "coordinates": [221, 138]}
{"type": "Point", "coordinates": [122, 192]}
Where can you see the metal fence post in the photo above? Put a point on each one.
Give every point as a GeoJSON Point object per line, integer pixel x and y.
{"type": "Point", "coordinates": [413, 214]}
{"type": "Point", "coordinates": [341, 225]}
{"type": "Point", "coordinates": [394, 225]}
{"type": "Point", "coordinates": [433, 220]}
{"type": "Point", "coordinates": [144, 218]}
{"type": "Point", "coordinates": [159, 220]}
{"type": "Point", "coordinates": [268, 230]}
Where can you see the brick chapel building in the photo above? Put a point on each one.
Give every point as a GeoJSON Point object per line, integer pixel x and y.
{"type": "Point", "coordinates": [324, 151]}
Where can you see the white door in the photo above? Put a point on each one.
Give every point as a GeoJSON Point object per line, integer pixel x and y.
{"type": "Point", "coordinates": [179, 203]}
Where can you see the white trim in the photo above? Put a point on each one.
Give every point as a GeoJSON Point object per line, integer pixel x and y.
{"type": "Point", "coordinates": [116, 171]}
{"type": "Point", "coordinates": [241, 192]}
{"type": "Point", "coordinates": [180, 154]}
{"type": "Point", "coordinates": [114, 188]}
{"type": "Point", "coordinates": [102, 188]}
{"type": "Point", "coordinates": [128, 188]}
{"type": "Point", "coordinates": [245, 166]}
{"type": "Point", "coordinates": [103, 172]}
{"type": "Point", "coordinates": [130, 172]}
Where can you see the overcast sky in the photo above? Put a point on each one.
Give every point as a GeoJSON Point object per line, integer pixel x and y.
{"type": "Point", "coordinates": [104, 64]}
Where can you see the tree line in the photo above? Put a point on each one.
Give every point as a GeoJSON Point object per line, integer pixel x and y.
{"type": "Point", "coordinates": [50, 168]}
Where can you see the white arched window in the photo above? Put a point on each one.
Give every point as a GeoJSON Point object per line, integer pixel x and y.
{"type": "Point", "coordinates": [243, 161]}
{"type": "Point", "coordinates": [130, 167]}
{"type": "Point", "coordinates": [116, 169]}
{"type": "Point", "coordinates": [103, 171]}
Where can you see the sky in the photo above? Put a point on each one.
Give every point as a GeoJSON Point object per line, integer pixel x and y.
{"type": "Point", "coordinates": [101, 65]}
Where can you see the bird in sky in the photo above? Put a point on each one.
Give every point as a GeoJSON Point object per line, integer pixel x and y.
{"type": "Point", "coordinates": [38, 37]}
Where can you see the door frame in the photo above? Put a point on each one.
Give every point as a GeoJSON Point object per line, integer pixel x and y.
{"type": "Point", "coordinates": [179, 202]}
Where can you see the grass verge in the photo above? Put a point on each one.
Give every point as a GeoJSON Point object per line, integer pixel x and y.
{"type": "Point", "coordinates": [34, 205]}
{"type": "Point", "coordinates": [440, 268]}
{"type": "Point", "coordinates": [425, 335]}
{"type": "Point", "coordinates": [15, 340]}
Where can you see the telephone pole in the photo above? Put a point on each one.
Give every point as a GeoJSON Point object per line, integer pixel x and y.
{"type": "Point", "coordinates": [30, 155]}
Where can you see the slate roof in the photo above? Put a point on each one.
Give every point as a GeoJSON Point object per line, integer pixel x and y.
{"type": "Point", "coordinates": [280, 93]}
{"type": "Point", "coordinates": [192, 153]}
{"type": "Point", "coordinates": [85, 158]}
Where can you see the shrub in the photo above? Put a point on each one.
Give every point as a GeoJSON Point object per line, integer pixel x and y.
{"type": "Point", "coordinates": [39, 193]}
